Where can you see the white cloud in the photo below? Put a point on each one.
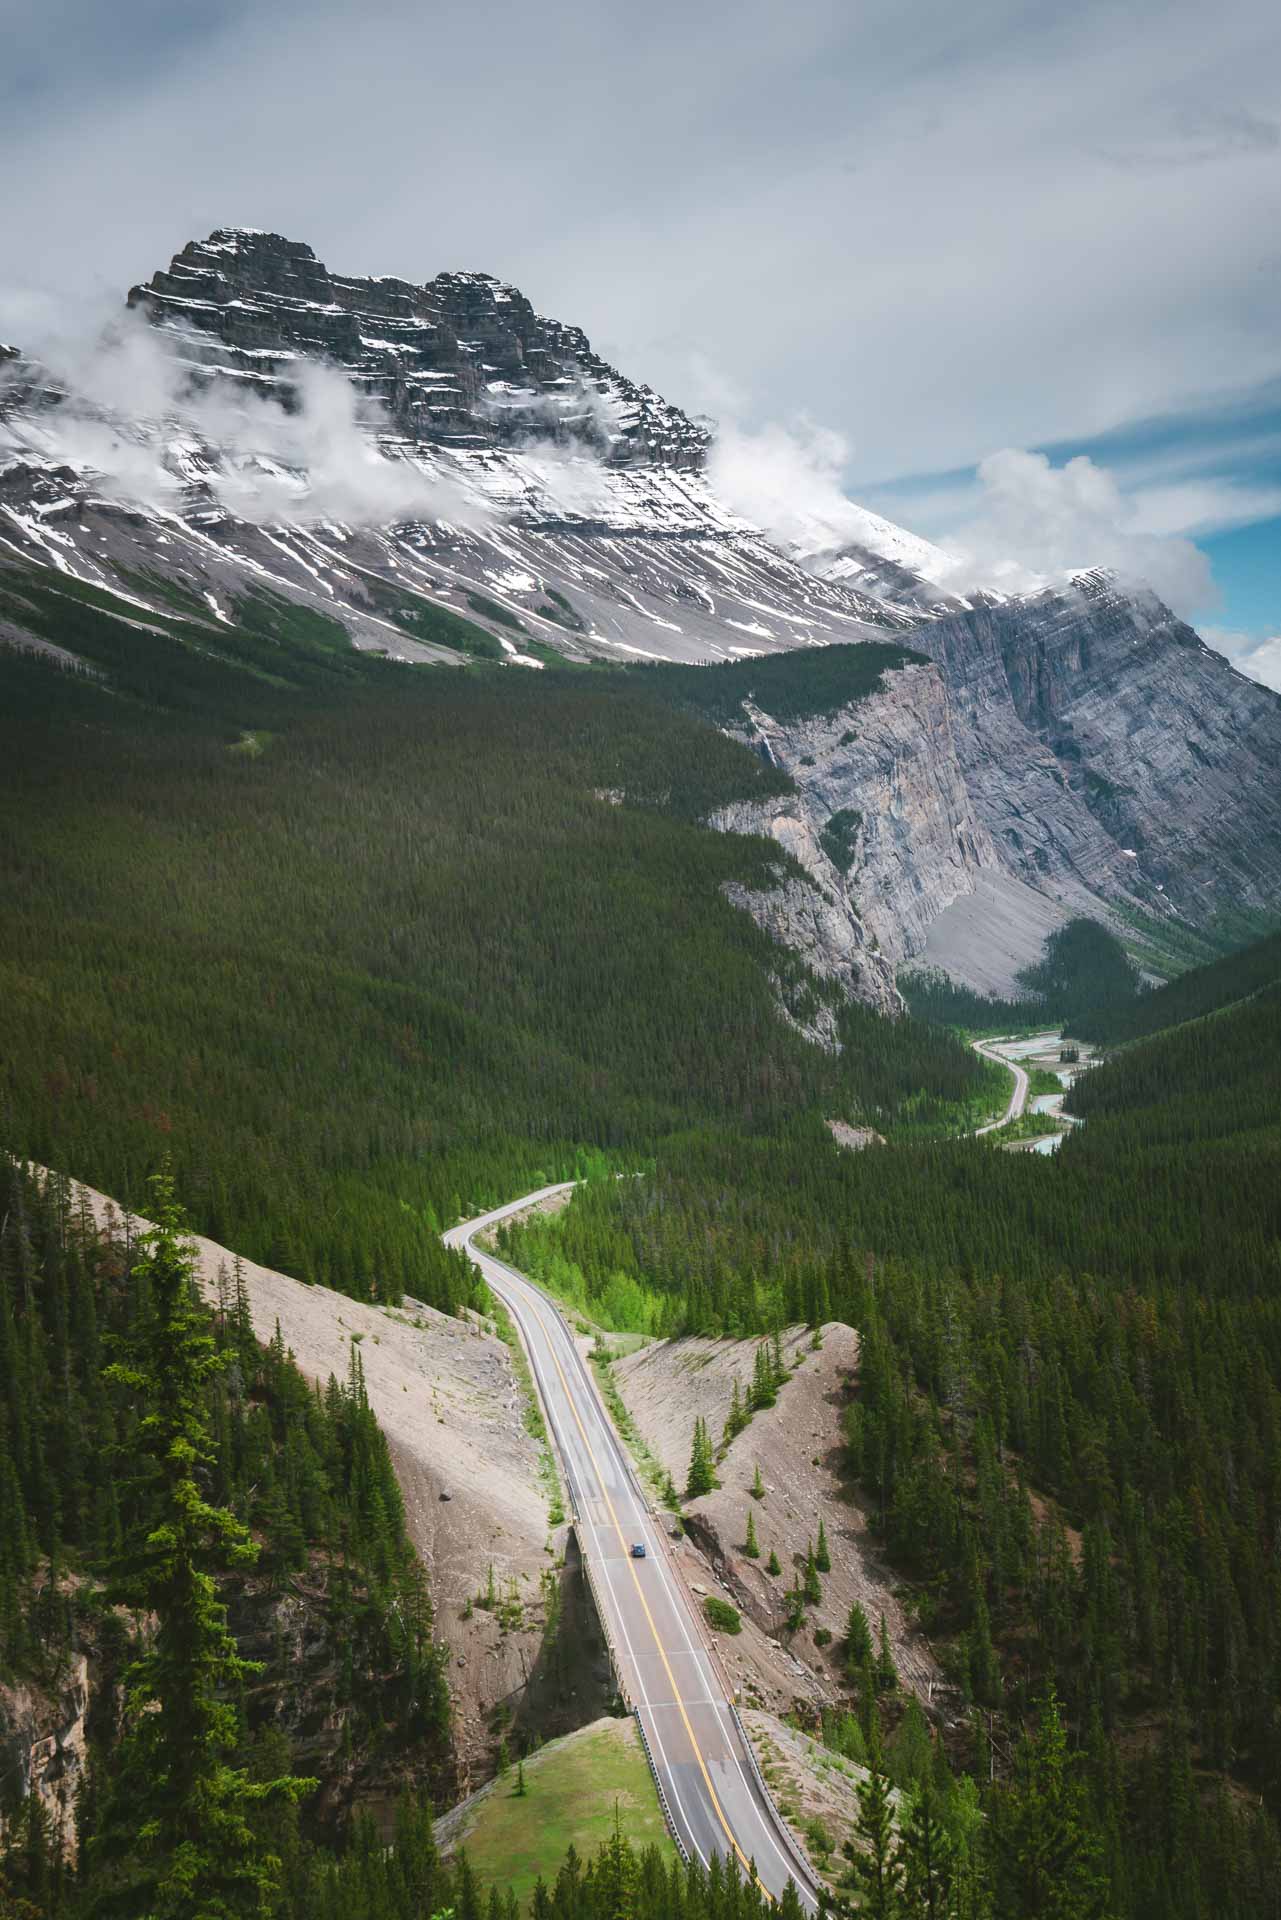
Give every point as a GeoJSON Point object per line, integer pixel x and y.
{"type": "Point", "coordinates": [1036, 521]}
{"type": "Point", "coordinates": [939, 241]}
{"type": "Point", "coordinates": [136, 417]}
{"type": "Point", "coordinates": [1261, 659]}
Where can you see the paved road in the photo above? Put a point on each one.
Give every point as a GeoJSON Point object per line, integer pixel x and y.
{"type": "Point", "coordinates": [714, 1802]}
{"type": "Point", "coordinates": [1018, 1099]}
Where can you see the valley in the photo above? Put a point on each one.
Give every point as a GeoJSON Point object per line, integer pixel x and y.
{"type": "Point", "coordinates": [573, 1012]}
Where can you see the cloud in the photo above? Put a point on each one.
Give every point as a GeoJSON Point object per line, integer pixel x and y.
{"type": "Point", "coordinates": [138, 412]}
{"type": "Point", "coordinates": [1024, 522]}
{"type": "Point", "coordinates": [1261, 659]}
{"type": "Point", "coordinates": [786, 479]}
{"type": "Point", "coordinates": [949, 264]}
{"type": "Point", "coordinates": [1036, 522]}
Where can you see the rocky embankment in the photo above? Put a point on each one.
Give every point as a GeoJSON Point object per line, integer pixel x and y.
{"type": "Point", "coordinates": [446, 1396]}
{"type": "Point", "coordinates": [797, 1445]}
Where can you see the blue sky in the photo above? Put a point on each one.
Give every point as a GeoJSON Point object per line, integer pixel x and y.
{"type": "Point", "coordinates": [928, 242]}
{"type": "Point", "coordinates": [1209, 474]}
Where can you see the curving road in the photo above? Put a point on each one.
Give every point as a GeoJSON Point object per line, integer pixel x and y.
{"type": "Point", "coordinates": [714, 1801]}
{"type": "Point", "coordinates": [1018, 1099]}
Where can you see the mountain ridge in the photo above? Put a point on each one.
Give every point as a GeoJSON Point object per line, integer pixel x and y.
{"type": "Point", "coordinates": [425, 461]}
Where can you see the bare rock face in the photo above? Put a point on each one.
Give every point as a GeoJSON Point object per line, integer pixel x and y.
{"type": "Point", "coordinates": [811, 917]}
{"type": "Point", "coordinates": [887, 817]}
{"type": "Point", "coordinates": [44, 1744]}
{"type": "Point", "coordinates": [461, 361]}
{"type": "Point", "coordinates": [1111, 755]}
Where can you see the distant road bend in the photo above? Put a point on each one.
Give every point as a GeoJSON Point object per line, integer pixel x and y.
{"type": "Point", "coordinates": [1018, 1099]}
{"type": "Point", "coordinates": [714, 1799]}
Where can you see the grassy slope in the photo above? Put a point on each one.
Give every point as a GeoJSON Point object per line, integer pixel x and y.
{"type": "Point", "coordinates": [573, 1787]}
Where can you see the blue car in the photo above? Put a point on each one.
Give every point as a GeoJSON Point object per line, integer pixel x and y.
{"type": "Point", "coordinates": [638, 1549]}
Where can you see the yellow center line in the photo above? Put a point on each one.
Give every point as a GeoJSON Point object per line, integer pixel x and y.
{"type": "Point", "coordinates": [640, 1594]}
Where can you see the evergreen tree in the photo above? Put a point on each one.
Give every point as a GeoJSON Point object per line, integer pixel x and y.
{"type": "Point", "coordinates": [178, 1840]}
{"type": "Point", "coordinates": [702, 1475]}
{"type": "Point", "coordinates": [751, 1546]}
{"type": "Point", "coordinates": [858, 1640]}
{"type": "Point", "coordinates": [886, 1673]}
{"type": "Point", "coordinates": [822, 1558]}
{"type": "Point", "coordinates": [877, 1867]}
{"type": "Point", "coordinates": [929, 1858]}
{"type": "Point", "coordinates": [1045, 1850]}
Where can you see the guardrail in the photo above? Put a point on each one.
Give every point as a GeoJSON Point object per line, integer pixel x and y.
{"type": "Point", "coordinates": [681, 1848]}
{"type": "Point", "coordinates": [789, 1838]}
{"type": "Point", "coordinates": [601, 1615]}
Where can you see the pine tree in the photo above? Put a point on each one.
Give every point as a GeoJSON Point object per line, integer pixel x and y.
{"type": "Point", "coordinates": [772, 1564]}
{"type": "Point", "coordinates": [702, 1476]}
{"type": "Point", "coordinates": [751, 1546]}
{"type": "Point", "coordinates": [758, 1485]}
{"type": "Point", "coordinates": [763, 1392]}
{"type": "Point", "coordinates": [737, 1417]}
{"type": "Point", "coordinates": [877, 1867]}
{"type": "Point", "coordinates": [929, 1858]}
{"type": "Point", "coordinates": [858, 1640]}
{"type": "Point", "coordinates": [177, 1839]}
{"type": "Point", "coordinates": [886, 1673]}
{"type": "Point", "coordinates": [1045, 1849]}
{"type": "Point", "coordinates": [822, 1558]}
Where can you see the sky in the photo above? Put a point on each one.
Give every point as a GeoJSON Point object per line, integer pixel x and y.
{"type": "Point", "coordinates": [1008, 273]}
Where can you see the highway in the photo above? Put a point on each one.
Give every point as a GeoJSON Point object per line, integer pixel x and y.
{"type": "Point", "coordinates": [1018, 1099]}
{"type": "Point", "coordinates": [714, 1801]}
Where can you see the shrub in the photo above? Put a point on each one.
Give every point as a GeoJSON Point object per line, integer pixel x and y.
{"type": "Point", "coordinates": [722, 1616]}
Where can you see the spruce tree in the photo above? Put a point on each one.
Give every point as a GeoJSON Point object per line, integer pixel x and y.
{"type": "Point", "coordinates": [702, 1476]}
{"type": "Point", "coordinates": [929, 1858]}
{"type": "Point", "coordinates": [858, 1640]}
{"type": "Point", "coordinates": [758, 1485]}
{"type": "Point", "coordinates": [177, 1839]}
{"type": "Point", "coordinates": [751, 1546]}
{"type": "Point", "coordinates": [877, 1868]}
{"type": "Point", "coordinates": [886, 1674]}
{"type": "Point", "coordinates": [1045, 1849]}
{"type": "Point", "coordinates": [822, 1558]}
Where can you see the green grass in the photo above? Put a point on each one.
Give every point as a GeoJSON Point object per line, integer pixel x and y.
{"type": "Point", "coordinates": [572, 1787]}
{"type": "Point", "coordinates": [532, 1416]}
{"type": "Point", "coordinates": [650, 1468]}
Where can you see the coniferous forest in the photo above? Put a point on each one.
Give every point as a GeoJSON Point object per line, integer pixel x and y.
{"type": "Point", "coordinates": [322, 953]}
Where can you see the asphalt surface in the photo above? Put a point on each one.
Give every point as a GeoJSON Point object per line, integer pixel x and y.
{"type": "Point", "coordinates": [714, 1802]}
{"type": "Point", "coordinates": [1018, 1099]}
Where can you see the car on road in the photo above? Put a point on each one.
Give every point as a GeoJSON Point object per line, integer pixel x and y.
{"type": "Point", "coordinates": [638, 1549]}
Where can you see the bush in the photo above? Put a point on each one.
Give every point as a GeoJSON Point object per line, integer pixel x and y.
{"type": "Point", "coordinates": [722, 1616]}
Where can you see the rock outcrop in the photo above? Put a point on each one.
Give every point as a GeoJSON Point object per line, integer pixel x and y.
{"type": "Point", "coordinates": [1112, 755]}
{"type": "Point", "coordinates": [460, 361]}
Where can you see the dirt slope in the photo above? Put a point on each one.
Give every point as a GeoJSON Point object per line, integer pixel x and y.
{"type": "Point", "coordinates": [797, 1445]}
{"type": "Point", "coordinates": [445, 1395]}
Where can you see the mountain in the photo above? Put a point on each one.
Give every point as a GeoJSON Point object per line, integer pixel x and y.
{"type": "Point", "coordinates": [448, 473]}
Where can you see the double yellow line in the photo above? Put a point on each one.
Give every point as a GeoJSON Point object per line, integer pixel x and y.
{"type": "Point", "coordinates": [640, 1594]}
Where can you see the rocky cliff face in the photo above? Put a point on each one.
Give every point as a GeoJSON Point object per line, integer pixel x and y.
{"type": "Point", "coordinates": [884, 819]}
{"type": "Point", "coordinates": [460, 361]}
{"type": "Point", "coordinates": [1110, 752]}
